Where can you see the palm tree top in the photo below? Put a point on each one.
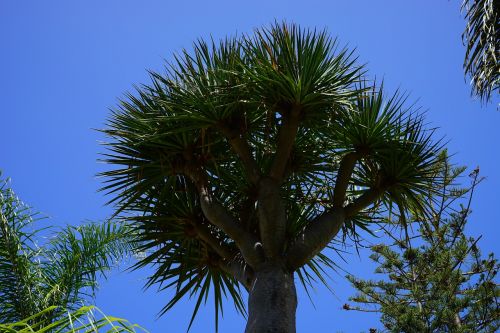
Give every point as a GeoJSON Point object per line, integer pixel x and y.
{"type": "Point", "coordinates": [61, 272]}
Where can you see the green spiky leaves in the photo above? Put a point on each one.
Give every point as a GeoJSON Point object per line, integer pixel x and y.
{"type": "Point", "coordinates": [397, 151]}
{"type": "Point", "coordinates": [244, 150]}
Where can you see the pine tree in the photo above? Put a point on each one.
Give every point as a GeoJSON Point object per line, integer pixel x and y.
{"type": "Point", "coordinates": [434, 277]}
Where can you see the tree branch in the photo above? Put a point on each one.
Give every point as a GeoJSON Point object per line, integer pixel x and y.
{"type": "Point", "coordinates": [229, 262]}
{"type": "Point", "coordinates": [315, 237]}
{"type": "Point", "coordinates": [321, 230]}
{"type": "Point", "coordinates": [370, 196]}
{"type": "Point", "coordinates": [206, 235]}
{"type": "Point", "coordinates": [286, 139]}
{"type": "Point", "coordinates": [346, 168]}
{"type": "Point", "coordinates": [242, 149]}
{"type": "Point", "coordinates": [248, 243]}
{"type": "Point", "coordinates": [272, 217]}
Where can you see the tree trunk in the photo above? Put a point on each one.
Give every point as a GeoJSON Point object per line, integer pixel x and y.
{"type": "Point", "coordinates": [272, 302]}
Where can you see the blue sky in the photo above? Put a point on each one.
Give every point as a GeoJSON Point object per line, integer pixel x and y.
{"type": "Point", "coordinates": [63, 64]}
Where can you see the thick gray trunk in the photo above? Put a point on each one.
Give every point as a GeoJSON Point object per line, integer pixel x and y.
{"type": "Point", "coordinates": [272, 302]}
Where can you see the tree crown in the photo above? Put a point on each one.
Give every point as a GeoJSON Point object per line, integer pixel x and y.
{"type": "Point", "coordinates": [255, 151]}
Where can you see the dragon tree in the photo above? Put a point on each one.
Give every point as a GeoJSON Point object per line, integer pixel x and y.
{"type": "Point", "coordinates": [247, 158]}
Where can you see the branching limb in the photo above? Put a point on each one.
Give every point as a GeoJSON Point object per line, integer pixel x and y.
{"type": "Point", "coordinates": [271, 210]}
{"type": "Point", "coordinates": [316, 235]}
{"type": "Point", "coordinates": [344, 174]}
{"type": "Point", "coordinates": [247, 242]}
{"type": "Point", "coordinates": [321, 230]}
{"type": "Point", "coordinates": [242, 149]}
{"type": "Point", "coordinates": [366, 199]}
{"type": "Point", "coordinates": [286, 139]}
{"type": "Point", "coordinates": [206, 235]}
{"type": "Point", "coordinates": [229, 262]}
{"type": "Point", "coordinates": [272, 218]}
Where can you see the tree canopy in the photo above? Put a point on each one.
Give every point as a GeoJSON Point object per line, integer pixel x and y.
{"type": "Point", "coordinates": [252, 153]}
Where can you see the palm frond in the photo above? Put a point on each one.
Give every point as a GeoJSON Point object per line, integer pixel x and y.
{"type": "Point", "coordinates": [482, 40]}
{"type": "Point", "coordinates": [63, 272]}
{"type": "Point", "coordinates": [20, 272]}
{"type": "Point", "coordinates": [77, 256]}
{"type": "Point", "coordinates": [87, 319]}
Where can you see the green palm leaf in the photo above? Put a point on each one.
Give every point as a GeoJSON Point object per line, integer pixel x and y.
{"type": "Point", "coordinates": [87, 319]}
{"type": "Point", "coordinates": [59, 274]}
{"type": "Point", "coordinates": [481, 37]}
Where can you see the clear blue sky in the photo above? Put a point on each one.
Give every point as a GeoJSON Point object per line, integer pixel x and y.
{"type": "Point", "coordinates": [63, 64]}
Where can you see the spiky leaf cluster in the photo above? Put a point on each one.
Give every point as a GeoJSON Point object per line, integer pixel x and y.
{"type": "Point", "coordinates": [243, 149]}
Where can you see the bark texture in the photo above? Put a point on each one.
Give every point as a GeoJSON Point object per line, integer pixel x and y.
{"type": "Point", "coordinates": [272, 302]}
